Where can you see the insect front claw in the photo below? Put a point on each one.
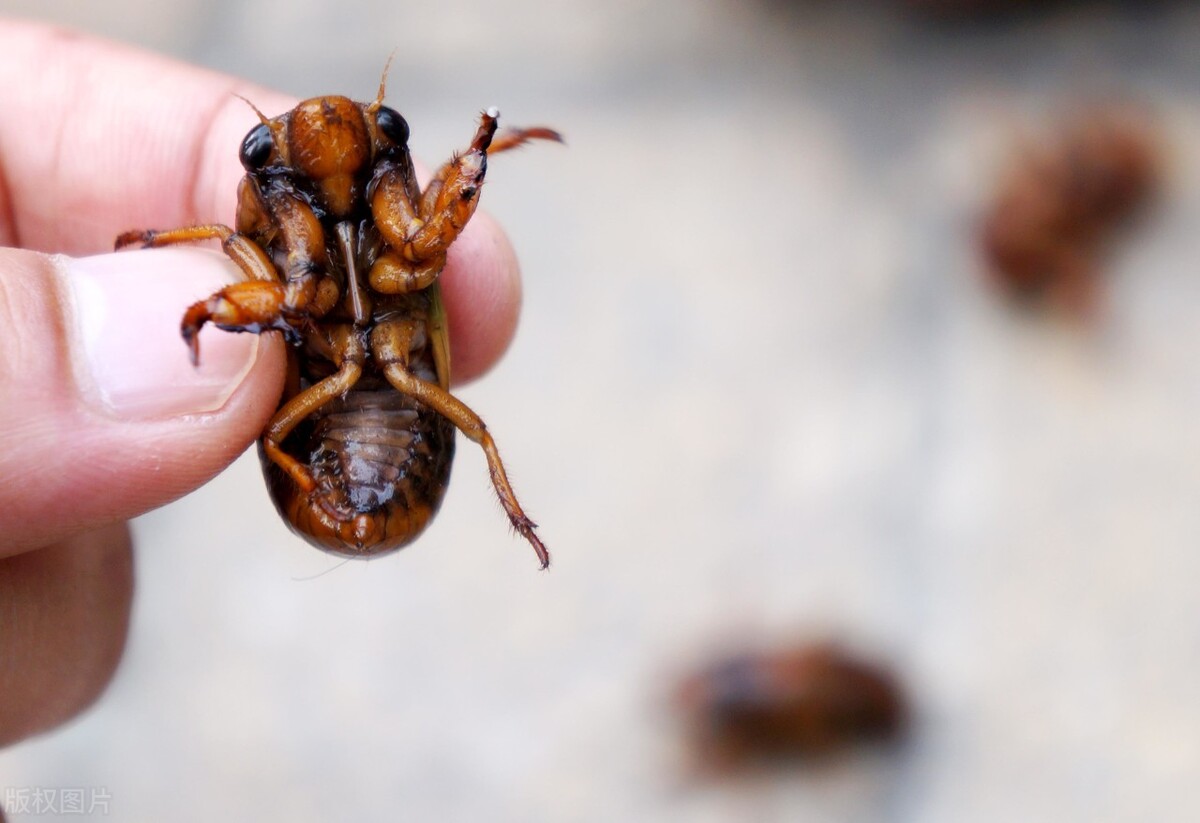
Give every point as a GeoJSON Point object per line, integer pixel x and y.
{"type": "Point", "coordinates": [193, 320]}
{"type": "Point", "coordinates": [525, 527]}
{"type": "Point", "coordinates": [488, 122]}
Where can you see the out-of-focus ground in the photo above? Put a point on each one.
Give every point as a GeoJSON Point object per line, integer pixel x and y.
{"type": "Point", "coordinates": [760, 387]}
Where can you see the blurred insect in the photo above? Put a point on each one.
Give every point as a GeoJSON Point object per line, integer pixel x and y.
{"type": "Point", "coordinates": [342, 251]}
{"type": "Point", "coordinates": [795, 702]}
{"type": "Point", "coordinates": [1045, 229]}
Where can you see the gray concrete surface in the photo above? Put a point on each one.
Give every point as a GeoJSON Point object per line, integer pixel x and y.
{"type": "Point", "coordinates": [759, 388]}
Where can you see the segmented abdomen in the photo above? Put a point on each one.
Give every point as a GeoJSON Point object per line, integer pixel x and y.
{"type": "Point", "coordinates": [382, 463]}
{"type": "Point", "coordinates": [381, 448]}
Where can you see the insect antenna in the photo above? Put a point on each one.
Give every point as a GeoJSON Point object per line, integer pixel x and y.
{"type": "Point", "coordinates": [266, 121]}
{"type": "Point", "coordinates": [374, 107]}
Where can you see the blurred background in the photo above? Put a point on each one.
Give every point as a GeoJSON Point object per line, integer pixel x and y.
{"type": "Point", "coordinates": [761, 389]}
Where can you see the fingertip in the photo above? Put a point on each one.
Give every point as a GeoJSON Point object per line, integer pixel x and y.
{"type": "Point", "coordinates": [481, 287]}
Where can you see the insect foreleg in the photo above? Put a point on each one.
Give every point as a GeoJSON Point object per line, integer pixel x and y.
{"type": "Point", "coordinates": [244, 307]}
{"type": "Point", "coordinates": [418, 234]}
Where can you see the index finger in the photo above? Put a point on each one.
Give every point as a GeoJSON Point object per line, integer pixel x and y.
{"type": "Point", "coordinates": [98, 138]}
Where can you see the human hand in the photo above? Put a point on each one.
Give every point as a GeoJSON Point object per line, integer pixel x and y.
{"type": "Point", "coordinates": [101, 415]}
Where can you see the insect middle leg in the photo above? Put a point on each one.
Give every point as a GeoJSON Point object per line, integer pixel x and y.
{"type": "Point", "coordinates": [247, 254]}
{"type": "Point", "coordinates": [390, 343]}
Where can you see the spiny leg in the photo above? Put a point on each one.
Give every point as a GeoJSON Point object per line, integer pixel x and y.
{"type": "Point", "coordinates": [451, 196]}
{"type": "Point", "coordinates": [389, 346]}
{"type": "Point", "coordinates": [257, 307]}
{"type": "Point", "coordinates": [419, 234]}
{"type": "Point", "coordinates": [470, 424]}
{"type": "Point", "coordinates": [240, 307]}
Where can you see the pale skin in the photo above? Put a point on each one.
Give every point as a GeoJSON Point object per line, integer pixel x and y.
{"type": "Point", "coordinates": [164, 156]}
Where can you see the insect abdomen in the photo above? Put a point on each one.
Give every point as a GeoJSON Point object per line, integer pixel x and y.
{"type": "Point", "coordinates": [382, 463]}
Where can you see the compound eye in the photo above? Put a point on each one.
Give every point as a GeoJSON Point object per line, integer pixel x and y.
{"type": "Point", "coordinates": [393, 126]}
{"type": "Point", "coordinates": [257, 147]}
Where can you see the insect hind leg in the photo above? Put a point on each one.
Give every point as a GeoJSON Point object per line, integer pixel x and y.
{"type": "Point", "coordinates": [389, 347]}
{"type": "Point", "coordinates": [349, 356]}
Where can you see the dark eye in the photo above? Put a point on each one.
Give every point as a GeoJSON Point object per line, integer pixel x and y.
{"type": "Point", "coordinates": [256, 148]}
{"type": "Point", "coordinates": [394, 127]}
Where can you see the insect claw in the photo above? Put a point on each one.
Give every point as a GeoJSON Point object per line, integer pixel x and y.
{"type": "Point", "coordinates": [507, 139]}
{"type": "Point", "coordinates": [542, 133]}
{"type": "Point", "coordinates": [486, 131]}
{"type": "Point", "coordinates": [192, 339]}
{"type": "Point", "coordinates": [525, 527]}
{"type": "Point", "coordinates": [129, 238]}
{"type": "Point", "coordinates": [194, 320]}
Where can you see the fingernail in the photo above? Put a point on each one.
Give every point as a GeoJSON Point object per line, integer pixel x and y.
{"type": "Point", "coordinates": [130, 358]}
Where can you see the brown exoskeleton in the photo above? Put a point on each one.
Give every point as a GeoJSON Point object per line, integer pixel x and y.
{"type": "Point", "coordinates": [795, 702]}
{"type": "Point", "coordinates": [343, 251]}
{"type": "Point", "coordinates": [1057, 207]}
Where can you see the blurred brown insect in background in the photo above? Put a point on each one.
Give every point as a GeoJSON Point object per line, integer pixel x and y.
{"type": "Point", "coordinates": [1060, 202]}
{"type": "Point", "coordinates": [343, 251]}
{"type": "Point", "coordinates": [794, 702]}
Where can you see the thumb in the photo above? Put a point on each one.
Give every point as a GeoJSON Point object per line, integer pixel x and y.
{"type": "Point", "coordinates": [102, 417]}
